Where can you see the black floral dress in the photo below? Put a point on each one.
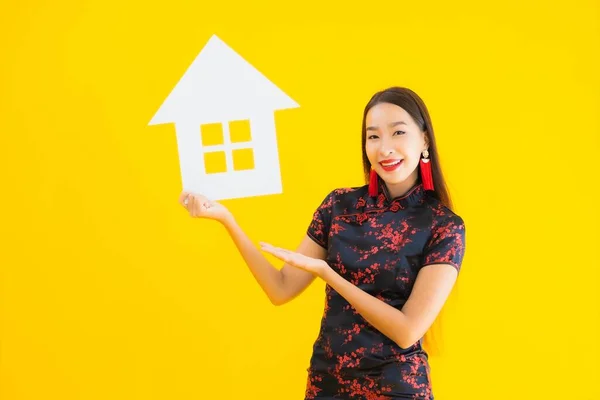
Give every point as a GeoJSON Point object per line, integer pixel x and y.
{"type": "Point", "coordinates": [379, 244]}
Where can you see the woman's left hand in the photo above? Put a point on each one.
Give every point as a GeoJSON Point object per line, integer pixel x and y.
{"type": "Point", "coordinates": [313, 265]}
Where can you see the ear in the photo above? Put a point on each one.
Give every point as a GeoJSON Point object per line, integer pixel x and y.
{"type": "Point", "coordinates": [426, 137]}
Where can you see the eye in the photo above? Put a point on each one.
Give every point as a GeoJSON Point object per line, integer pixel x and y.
{"type": "Point", "coordinates": [400, 132]}
{"type": "Point", "coordinates": [372, 137]}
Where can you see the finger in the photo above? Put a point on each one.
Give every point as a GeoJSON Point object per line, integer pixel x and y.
{"type": "Point", "coordinates": [182, 197]}
{"type": "Point", "coordinates": [192, 206]}
{"type": "Point", "coordinates": [273, 251]}
{"type": "Point", "coordinates": [275, 247]}
{"type": "Point", "coordinates": [284, 251]}
{"type": "Point", "coordinates": [197, 207]}
{"type": "Point", "coordinates": [182, 200]}
{"type": "Point", "coordinates": [267, 245]}
{"type": "Point", "coordinates": [269, 249]}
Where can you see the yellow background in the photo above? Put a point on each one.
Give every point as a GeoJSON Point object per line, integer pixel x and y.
{"type": "Point", "coordinates": [111, 291]}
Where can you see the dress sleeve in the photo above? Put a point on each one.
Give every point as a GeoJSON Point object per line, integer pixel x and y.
{"type": "Point", "coordinates": [318, 229]}
{"type": "Point", "coordinates": [447, 244]}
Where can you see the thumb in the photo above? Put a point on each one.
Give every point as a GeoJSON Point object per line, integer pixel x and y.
{"type": "Point", "coordinates": [183, 197]}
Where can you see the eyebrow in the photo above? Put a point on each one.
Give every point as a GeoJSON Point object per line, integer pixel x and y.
{"type": "Point", "coordinates": [374, 128]}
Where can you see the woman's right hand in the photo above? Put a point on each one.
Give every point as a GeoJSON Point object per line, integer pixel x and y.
{"type": "Point", "coordinates": [200, 206]}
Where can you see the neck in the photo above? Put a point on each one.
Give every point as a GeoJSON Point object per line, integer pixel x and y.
{"type": "Point", "coordinates": [401, 188]}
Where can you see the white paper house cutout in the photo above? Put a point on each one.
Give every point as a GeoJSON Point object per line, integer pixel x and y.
{"type": "Point", "coordinates": [218, 87]}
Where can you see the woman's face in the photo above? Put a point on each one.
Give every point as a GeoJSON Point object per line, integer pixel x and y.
{"type": "Point", "coordinates": [394, 138]}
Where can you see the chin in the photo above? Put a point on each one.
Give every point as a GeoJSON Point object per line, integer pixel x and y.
{"type": "Point", "coordinates": [394, 179]}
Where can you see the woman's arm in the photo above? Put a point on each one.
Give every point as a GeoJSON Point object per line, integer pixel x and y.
{"type": "Point", "coordinates": [280, 286]}
{"type": "Point", "coordinates": [406, 326]}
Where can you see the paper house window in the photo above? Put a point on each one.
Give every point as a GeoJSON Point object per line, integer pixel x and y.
{"type": "Point", "coordinates": [227, 146]}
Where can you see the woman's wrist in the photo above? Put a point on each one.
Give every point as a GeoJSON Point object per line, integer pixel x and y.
{"type": "Point", "coordinates": [326, 270]}
{"type": "Point", "coordinates": [228, 221]}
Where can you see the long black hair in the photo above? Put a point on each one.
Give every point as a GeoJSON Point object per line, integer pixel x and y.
{"type": "Point", "coordinates": [414, 105]}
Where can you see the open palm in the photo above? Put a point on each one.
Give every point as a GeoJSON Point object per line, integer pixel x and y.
{"type": "Point", "coordinates": [315, 266]}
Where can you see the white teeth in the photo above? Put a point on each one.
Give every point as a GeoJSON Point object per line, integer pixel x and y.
{"type": "Point", "coordinates": [389, 165]}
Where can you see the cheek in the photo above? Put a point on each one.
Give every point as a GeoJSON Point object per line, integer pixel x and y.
{"type": "Point", "coordinates": [412, 158]}
{"type": "Point", "coordinates": [371, 152]}
{"type": "Point", "coordinates": [410, 151]}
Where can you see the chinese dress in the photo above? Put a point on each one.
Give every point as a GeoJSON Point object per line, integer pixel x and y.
{"type": "Point", "coordinates": [379, 244]}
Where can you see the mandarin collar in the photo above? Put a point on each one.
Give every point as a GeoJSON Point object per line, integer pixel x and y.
{"type": "Point", "coordinates": [412, 197]}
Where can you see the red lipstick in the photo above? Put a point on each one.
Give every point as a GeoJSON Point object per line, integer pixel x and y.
{"type": "Point", "coordinates": [391, 165]}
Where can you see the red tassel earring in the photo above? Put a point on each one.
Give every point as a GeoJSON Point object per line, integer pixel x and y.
{"type": "Point", "coordinates": [373, 189]}
{"type": "Point", "coordinates": [426, 177]}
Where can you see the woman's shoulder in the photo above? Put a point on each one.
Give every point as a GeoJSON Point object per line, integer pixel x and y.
{"type": "Point", "coordinates": [443, 213]}
{"type": "Point", "coordinates": [350, 191]}
{"type": "Point", "coordinates": [343, 197]}
{"type": "Point", "coordinates": [348, 194]}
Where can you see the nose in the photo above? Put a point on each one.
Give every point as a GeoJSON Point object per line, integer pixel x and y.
{"type": "Point", "coordinates": [386, 148]}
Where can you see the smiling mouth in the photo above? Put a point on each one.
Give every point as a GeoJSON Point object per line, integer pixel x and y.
{"type": "Point", "coordinates": [390, 166]}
